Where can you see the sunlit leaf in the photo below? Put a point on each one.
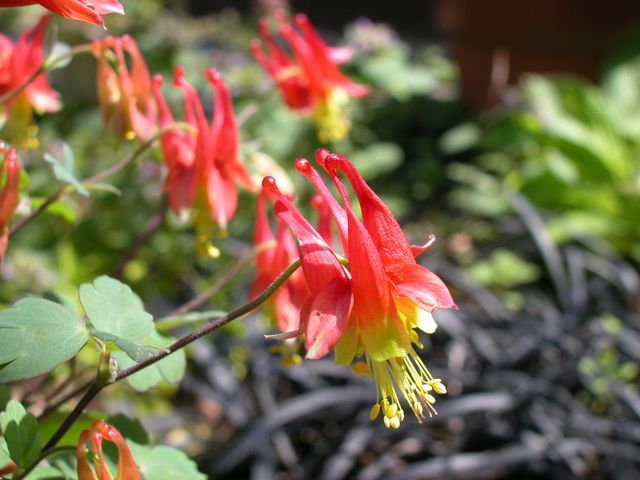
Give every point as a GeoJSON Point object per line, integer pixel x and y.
{"type": "Point", "coordinates": [112, 307]}
{"type": "Point", "coordinates": [20, 430]}
{"type": "Point", "coordinates": [37, 335]}
{"type": "Point", "coordinates": [170, 368]}
{"type": "Point", "coordinates": [64, 169]}
{"type": "Point", "coordinates": [161, 462]}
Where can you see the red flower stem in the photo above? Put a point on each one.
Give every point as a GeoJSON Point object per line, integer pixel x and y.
{"type": "Point", "coordinates": [48, 64]}
{"type": "Point", "coordinates": [216, 287]}
{"type": "Point", "coordinates": [62, 191]}
{"type": "Point", "coordinates": [95, 388]}
{"type": "Point", "coordinates": [54, 197]}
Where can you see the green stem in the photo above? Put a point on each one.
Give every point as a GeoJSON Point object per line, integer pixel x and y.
{"type": "Point", "coordinates": [43, 455]}
{"type": "Point", "coordinates": [95, 387]}
{"type": "Point", "coordinates": [47, 64]}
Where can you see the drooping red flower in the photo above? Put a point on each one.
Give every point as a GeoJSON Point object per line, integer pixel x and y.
{"type": "Point", "coordinates": [411, 280]}
{"type": "Point", "coordinates": [18, 63]}
{"type": "Point", "coordinates": [309, 78]}
{"type": "Point", "coordinates": [125, 94]}
{"type": "Point", "coordinates": [204, 164]}
{"type": "Point", "coordinates": [10, 185]}
{"type": "Point", "coordinates": [275, 254]}
{"type": "Point", "coordinates": [100, 431]}
{"type": "Point", "coordinates": [389, 294]}
{"type": "Point", "coordinates": [325, 312]}
{"type": "Point", "coordinates": [85, 10]}
{"type": "Point", "coordinates": [179, 150]}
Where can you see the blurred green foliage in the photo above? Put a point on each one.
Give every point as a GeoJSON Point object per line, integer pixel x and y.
{"type": "Point", "coordinates": [570, 147]}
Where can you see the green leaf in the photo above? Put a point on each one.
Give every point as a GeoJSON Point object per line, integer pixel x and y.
{"type": "Point", "coordinates": [161, 462]}
{"type": "Point", "coordinates": [57, 208]}
{"type": "Point", "coordinates": [20, 430]}
{"type": "Point", "coordinates": [142, 380]}
{"type": "Point", "coordinates": [377, 159]}
{"type": "Point", "coordinates": [50, 423]}
{"type": "Point", "coordinates": [460, 138]}
{"type": "Point", "coordinates": [64, 169]}
{"type": "Point", "coordinates": [170, 368]}
{"type": "Point", "coordinates": [504, 269]}
{"type": "Point", "coordinates": [112, 307]}
{"type": "Point", "coordinates": [5, 459]}
{"type": "Point", "coordinates": [104, 187]}
{"type": "Point", "coordinates": [5, 396]}
{"type": "Point", "coordinates": [46, 472]}
{"type": "Point", "coordinates": [135, 351]}
{"type": "Point", "coordinates": [36, 335]}
{"type": "Point", "coordinates": [58, 57]}
{"type": "Point", "coordinates": [130, 428]}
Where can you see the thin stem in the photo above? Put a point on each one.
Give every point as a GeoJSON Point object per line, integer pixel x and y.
{"type": "Point", "coordinates": [73, 393]}
{"type": "Point", "coordinates": [216, 287]}
{"type": "Point", "coordinates": [248, 112]}
{"type": "Point", "coordinates": [152, 225]}
{"type": "Point", "coordinates": [115, 168]}
{"type": "Point", "coordinates": [44, 454]}
{"type": "Point", "coordinates": [58, 194]}
{"type": "Point", "coordinates": [89, 395]}
{"type": "Point", "coordinates": [47, 64]}
{"type": "Point", "coordinates": [95, 388]}
{"type": "Point", "coordinates": [214, 325]}
{"type": "Point", "coordinates": [16, 227]}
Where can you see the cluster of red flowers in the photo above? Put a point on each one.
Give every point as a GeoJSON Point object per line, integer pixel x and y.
{"type": "Point", "coordinates": [365, 305]}
{"type": "Point", "coordinates": [203, 163]}
{"type": "Point", "coordinates": [309, 78]}
{"type": "Point", "coordinates": [125, 96]}
{"type": "Point", "coordinates": [18, 63]}
{"type": "Point", "coordinates": [366, 312]}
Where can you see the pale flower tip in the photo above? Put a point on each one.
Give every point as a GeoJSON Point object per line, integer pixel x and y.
{"type": "Point", "coordinates": [438, 386]}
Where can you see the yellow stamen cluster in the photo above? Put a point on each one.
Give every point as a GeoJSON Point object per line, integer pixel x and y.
{"type": "Point", "coordinates": [410, 377]}
{"type": "Point", "coordinates": [331, 116]}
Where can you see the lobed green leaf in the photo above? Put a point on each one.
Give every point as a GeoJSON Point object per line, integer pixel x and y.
{"type": "Point", "coordinates": [112, 307]}
{"type": "Point", "coordinates": [36, 335]}
{"type": "Point", "coordinates": [20, 430]}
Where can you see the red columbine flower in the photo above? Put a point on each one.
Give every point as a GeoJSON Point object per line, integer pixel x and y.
{"type": "Point", "coordinates": [17, 64]}
{"type": "Point", "coordinates": [204, 166]}
{"type": "Point", "coordinates": [309, 78]}
{"type": "Point", "coordinates": [407, 293]}
{"type": "Point", "coordinates": [10, 181]}
{"type": "Point", "coordinates": [389, 295]}
{"type": "Point", "coordinates": [100, 431]}
{"type": "Point", "coordinates": [85, 10]}
{"type": "Point", "coordinates": [325, 312]}
{"type": "Point", "coordinates": [125, 94]}
{"type": "Point", "coordinates": [275, 254]}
